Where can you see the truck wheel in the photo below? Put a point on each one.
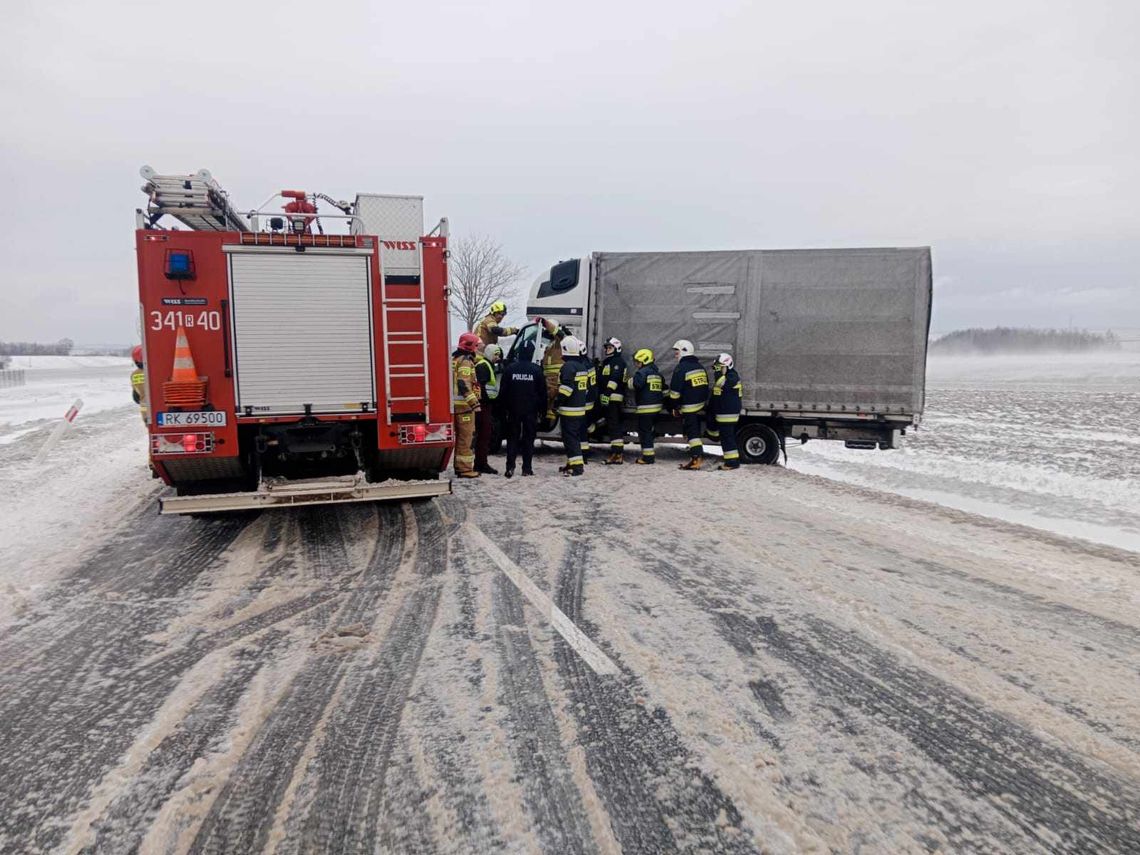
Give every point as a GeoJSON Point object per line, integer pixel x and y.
{"type": "Point", "coordinates": [758, 444]}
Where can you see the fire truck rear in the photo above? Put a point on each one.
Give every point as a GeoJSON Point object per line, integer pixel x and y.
{"type": "Point", "coordinates": [292, 356]}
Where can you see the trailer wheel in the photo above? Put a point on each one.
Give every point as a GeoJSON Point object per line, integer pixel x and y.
{"type": "Point", "coordinates": [758, 444]}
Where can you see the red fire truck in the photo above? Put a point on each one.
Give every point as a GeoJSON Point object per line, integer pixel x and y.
{"type": "Point", "coordinates": [292, 356]}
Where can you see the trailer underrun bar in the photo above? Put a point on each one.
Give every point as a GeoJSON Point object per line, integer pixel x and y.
{"type": "Point", "coordinates": [324, 491]}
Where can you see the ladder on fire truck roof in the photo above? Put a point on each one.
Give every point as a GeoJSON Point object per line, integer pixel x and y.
{"type": "Point", "coordinates": [197, 201]}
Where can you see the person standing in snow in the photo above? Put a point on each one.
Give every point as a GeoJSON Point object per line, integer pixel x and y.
{"type": "Point", "coordinates": [727, 392]}
{"type": "Point", "coordinates": [688, 395]}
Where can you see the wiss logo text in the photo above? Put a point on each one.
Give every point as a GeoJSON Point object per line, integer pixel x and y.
{"type": "Point", "coordinates": [399, 244]}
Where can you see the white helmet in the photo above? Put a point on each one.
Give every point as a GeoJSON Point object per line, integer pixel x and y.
{"type": "Point", "coordinates": [571, 346]}
{"type": "Point", "coordinates": [725, 359]}
{"type": "Point", "coordinates": [493, 352]}
{"type": "Point", "coordinates": [615, 343]}
{"type": "Point", "coordinates": [683, 345]}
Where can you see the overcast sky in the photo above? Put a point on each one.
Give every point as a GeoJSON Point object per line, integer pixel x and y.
{"type": "Point", "coordinates": [1003, 134]}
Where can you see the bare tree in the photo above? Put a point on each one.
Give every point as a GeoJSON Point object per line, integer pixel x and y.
{"type": "Point", "coordinates": [481, 273]}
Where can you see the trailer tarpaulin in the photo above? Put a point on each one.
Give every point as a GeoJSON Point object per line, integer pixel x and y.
{"type": "Point", "coordinates": [828, 330]}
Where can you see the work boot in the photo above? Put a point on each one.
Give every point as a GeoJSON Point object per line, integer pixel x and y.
{"type": "Point", "coordinates": [694, 464]}
{"type": "Point", "coordinates": [487, 469]}
{"type": "Point", "coordinates": [509, 473]}
{"type": "Point", "coordinates": [615, 459]}
{"type": "Point", "coordinates": [577, 470]}
{"type": "Point", "coordinates": [471, 474]}
{"type": "Point", "coordinates": [526, 472]}
{"type": "Point", "coordinates": [729, 466]}
{"type": "Point", "coordinates": [645, 461]}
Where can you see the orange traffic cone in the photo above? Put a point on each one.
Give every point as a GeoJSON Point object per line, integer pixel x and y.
{"type": "Point", "coordinates": [185, 388]}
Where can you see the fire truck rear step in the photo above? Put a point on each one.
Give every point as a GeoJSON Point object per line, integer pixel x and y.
{"type": "Point", "coordinates": [281, 493]}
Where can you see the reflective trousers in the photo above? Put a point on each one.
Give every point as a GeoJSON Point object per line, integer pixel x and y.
{"type": "Point", "coordinates": [692, 425]}
{"type": "Point", "coordinates": [726, 432]}
{"type": "Point", "coordinates": [615, 426]}
{"type": "Point", "coordinates": [464, 435]}
{"type": "Point", "coordinates": [645, 434]}
{"type": "Point", "coordinates": [572, 427]}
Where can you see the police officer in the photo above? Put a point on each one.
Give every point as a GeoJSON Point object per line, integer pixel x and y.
{"type": "Point", "coordinates": [138, 382]}
{"type": "Point", "coordinates": [575, 390]}
{"type": "Point", "coordinates": [489, 330]}
{"type": "Point", "coordinates": [486, 375]}
{"type": "Point", "coordinates": [648, 387]}
{"type": "Point", "coordinates": [523, 397]}
{"type": "Point", "coordinates": [465, 402]}
{"type": "Point", "coordinates": [688, 395]}
{"type": "Point", "coordinates": [612, 398]}
{"type": "Point", "coordinates": [727, 392]}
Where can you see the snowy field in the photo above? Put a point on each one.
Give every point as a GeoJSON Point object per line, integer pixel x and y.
{"type": "Point", "coordinates": [1050, 441]}
{"type": "Point", "coordinates": [54, 382]}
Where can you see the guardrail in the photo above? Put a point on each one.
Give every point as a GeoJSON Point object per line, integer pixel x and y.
{"type": "Point", "coordinates": [11, 377]}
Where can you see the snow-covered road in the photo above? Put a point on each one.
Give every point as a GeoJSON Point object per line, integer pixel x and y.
{"type": "Point", "coordinates": [803, 666]}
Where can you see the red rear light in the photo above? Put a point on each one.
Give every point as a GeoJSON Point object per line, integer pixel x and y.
{"type": "Point", "coordinates": [186, 443]}
{"type": "Point", "coordinates": [417, 433]}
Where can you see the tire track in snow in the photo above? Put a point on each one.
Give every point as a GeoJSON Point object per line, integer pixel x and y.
{"type": "Point", "coordinates": [241, 818]}
{"type": "Point", "coordinates": [1050, 796]}
{"type": "Point", "coordinates": [358, 805]}
{"type": "Point", "coordinates": [552, 798]}
{"type": "Point", "coordinates": [657, 797]}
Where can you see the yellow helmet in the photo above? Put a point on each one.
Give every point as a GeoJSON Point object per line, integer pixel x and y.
{"type": "Point", "coordinates": [498, 307]}
{"type": "Point", "coordinates": [643, 356]}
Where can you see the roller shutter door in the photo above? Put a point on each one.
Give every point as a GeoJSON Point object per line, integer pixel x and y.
{"type": "Point", "coordinates": [302, 332]}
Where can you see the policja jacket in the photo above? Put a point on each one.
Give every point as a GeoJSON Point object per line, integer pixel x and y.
{"type": "Point", "coordinates": [689, 387]}
{"type": "Point", "coordinates": [648, 387]}
{"type": "Point", "coordinates": [523, 389]}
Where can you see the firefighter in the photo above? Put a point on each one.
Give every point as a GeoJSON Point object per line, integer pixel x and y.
{"type": "Point", "coordinates": [612, 398]}
{"type": "Point", "coordinates": [523, 397]}
{"type": "Point", "coordinates": [487, 376]}
{"type": "Point", "coordinates": [648, 387]}
{"type": "Point", "coordinates": [727, 392]}
{"type": "Point", "coordinates": [489, 330]}
{"type": "Point", "coordinates": [138, 382]}
{"type": "Point", "coordinates": [552, 362]}
{"type": "Point", "coordinates": [574, 393]}
{"type": "Point", "coordinates": [465, 402]}
{"type": "Point", "coordinates": [688, 395]}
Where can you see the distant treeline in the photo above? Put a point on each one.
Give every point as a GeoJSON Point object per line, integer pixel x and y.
{"type": "Point", "coordinates": [34, 348]}
{"type": "Point", "coordinates": [1009, 340]}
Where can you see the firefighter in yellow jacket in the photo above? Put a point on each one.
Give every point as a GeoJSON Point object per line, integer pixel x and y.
{"type": "Point", "coordinates": [138, 382]}
{"type": "Point", "coordinates": [489, 328]}
{"type": "Point", "coordinates": [465, 401]}
{"type": "Point", "coordinates": [552, 360]}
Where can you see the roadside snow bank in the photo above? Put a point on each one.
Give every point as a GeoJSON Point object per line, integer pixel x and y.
{"type": "Point", "coordinates": [54, 382]}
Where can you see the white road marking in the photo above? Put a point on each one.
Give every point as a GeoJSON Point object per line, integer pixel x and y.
{"type": "Point", "coordinates": [591, 654]}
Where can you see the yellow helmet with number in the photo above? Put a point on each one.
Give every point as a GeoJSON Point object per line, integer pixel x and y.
{"type": "Point", "coordinates": [643, 356]}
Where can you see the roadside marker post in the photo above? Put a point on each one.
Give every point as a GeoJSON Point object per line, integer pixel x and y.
{"type": "Point", "coordinates": [57, 434]}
